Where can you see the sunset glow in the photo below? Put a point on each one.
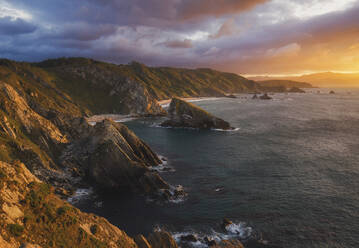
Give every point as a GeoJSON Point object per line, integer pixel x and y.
{"type": "Point", "coordinates": [259, 37]}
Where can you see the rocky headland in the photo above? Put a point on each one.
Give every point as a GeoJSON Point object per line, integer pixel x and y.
{"type": "Point", "coordinates": [185, 114]}
{"type": "Point", "coordinates": [48, 148]}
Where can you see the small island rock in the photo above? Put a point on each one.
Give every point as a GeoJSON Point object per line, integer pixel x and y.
{"type": "Point", "coordinates": [265, 97]}
{"type": "Point", "coordinates": [184, 114]}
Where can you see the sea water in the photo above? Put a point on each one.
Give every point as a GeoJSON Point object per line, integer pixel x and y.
{"type": "Point", "coordinates": [288, 175]}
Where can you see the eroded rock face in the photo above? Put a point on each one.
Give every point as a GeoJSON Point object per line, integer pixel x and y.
{"type": "Point", "coordinates": [116, 160]}
{"type": "Point", "coordinates": [15, 106]}
{"type": "Point", "coordinates": [184, 114]}
{"type": "Point", "coordinates": [30, 211]}
{"type": "Point", "coordinates": [161, 240]}
{"type": "Point", "coordinates": [134, 97]}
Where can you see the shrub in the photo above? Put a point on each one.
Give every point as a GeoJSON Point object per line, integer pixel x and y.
{"type": "Point", "coordinates": [15, 229]}
{"type": "Point", "coordinates": [62, 210]}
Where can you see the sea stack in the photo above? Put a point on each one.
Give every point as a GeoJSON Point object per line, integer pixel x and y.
{"type": "Point", "coordinates": [184, 114]}
{"type": "Point", "coordinates": [265, 97]}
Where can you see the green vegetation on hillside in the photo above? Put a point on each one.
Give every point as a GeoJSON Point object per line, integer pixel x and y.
{"type": "Point", "coordinates": [161, 82]}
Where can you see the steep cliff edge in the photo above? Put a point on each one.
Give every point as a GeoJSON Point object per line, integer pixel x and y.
{"type": "Point", "coordinates": [47, 147]}
{"type": "Point", "coordinates": [113, 158]}
{"type": "Point", "coordinates": [30, 214]}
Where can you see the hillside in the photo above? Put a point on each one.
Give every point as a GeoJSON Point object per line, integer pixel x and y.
{"type": "Point", "coordinates": [122, 87]}
{"type": "Point", "coordinates": [284, 83]}
{"type": "Point", "coordinates": [48, 149]}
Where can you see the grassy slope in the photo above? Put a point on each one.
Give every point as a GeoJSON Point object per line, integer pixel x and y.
{"type": "Point", "coordinates": [36, 87]}
{"type": "Point", "coordinates": [161, 82]}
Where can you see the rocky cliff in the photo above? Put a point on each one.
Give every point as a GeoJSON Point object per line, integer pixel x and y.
{"type": "Point", "coordinates": [185, 114]}
{"type": "Point", "coordinates": [32, 216]}
{"type": "Point", "coordinates": [113, 158]}
{"type": "Point", "coordinates": [47, 149]}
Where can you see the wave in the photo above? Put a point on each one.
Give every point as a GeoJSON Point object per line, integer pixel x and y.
{"type": "Point", "coordinates": [235, 231]}
{"type": "Point", "coordinates": [224, 130]}
{"type": "Point", "coordinates": [80, 194]}
{"type": "Point", "coordinates": [163, 166]}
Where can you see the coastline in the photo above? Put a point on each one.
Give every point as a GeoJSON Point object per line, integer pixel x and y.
{"type": "Point", "coordinates": [165, 103]}
{"type": "Point", "coordinates": [92, 120]}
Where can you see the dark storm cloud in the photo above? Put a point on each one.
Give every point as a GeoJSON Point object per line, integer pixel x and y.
{"type": "Point", "coordinates": [236, 35]}
{"type": "Point", "coordinates": [10, 26]}
{"type": "Point", "coordinates": [186, 43]}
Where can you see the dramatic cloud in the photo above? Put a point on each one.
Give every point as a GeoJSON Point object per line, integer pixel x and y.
{"type": "Point", "coordinates": [243, 36]}
{"type": "Point", "coordinates": [10, 26]}
{"type": "Point", "coordinates": [186, 43]}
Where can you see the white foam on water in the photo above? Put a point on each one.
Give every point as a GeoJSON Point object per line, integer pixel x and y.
{"type": "Point", "coordinates": [163, 166]}
{"type": "Point", "coordinates": [80, 194]}
{"type": "Point", "coordinates": [234, 231]}
{"type": "Point", "coordinates": [223, 130]}
{"type": "Point", "coordinates": [241, 230]}
{"type": "Point", "coordinates": [126, 119]}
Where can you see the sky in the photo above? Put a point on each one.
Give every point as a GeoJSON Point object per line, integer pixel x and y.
{"type": "Point", "coordinates": [249, 37]}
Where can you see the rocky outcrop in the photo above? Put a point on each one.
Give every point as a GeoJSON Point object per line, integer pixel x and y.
{"type": "Point", "coordinates": [32, 216]}
{"type": "Point", "coordinates": [296, 90]}
{"type": "Point", "coordinates": [34, 124]}
{"type": "Point", "coordinates": [184, 114]}
{"type": "Point", "coordinates": [265, 97]}
{"type": "Point", "coordinates": [118, 93]}
{"type": "Point", "coordinates": [113, 158]}
{"type": "Point", "coordinates": [161, 240]}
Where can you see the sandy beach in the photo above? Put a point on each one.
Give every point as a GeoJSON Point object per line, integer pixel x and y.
{"type": "Point", "coordinates": [165, 103]}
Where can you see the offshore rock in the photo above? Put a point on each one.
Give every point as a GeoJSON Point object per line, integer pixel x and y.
{"type": "Point", "coordinates": [296, 90]}
{"type": "Point", "coordinates": [265, 97]}
{"type": "Point", "coordinates": [184, 114]}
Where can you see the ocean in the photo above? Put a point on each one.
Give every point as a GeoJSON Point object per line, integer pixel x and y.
{"type": "Point", "coordinates": [289, 175]}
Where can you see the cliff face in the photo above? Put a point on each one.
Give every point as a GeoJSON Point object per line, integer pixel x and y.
{"type": "Point", "coordinates": [39, 124]}
{"type": "Point", "coordinates": [30, 214]}
{"type": "Point", "coordinates": [107, 91]}
{"type": "Point", "coordinates": [47, 147]}
{"type": "Point", "coordinates": [185, 114]}
{"type": "Point", "coordinates": [113, 158]}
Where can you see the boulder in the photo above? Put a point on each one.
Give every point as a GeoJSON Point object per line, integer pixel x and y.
{"type": "Point", "coordinates": [331, 92]}
{"type": "Point", "coordinates": [226, 222]}
{"type": "Point", "coordinates": [189, 238]}
{"type": "Point", "coordinates": [184, 114]}
{"type": "Point", "coordinates": [265, 97]}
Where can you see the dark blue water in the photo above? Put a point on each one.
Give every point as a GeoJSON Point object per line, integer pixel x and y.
{"type": "Point", "coordinates": [291, 172]}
